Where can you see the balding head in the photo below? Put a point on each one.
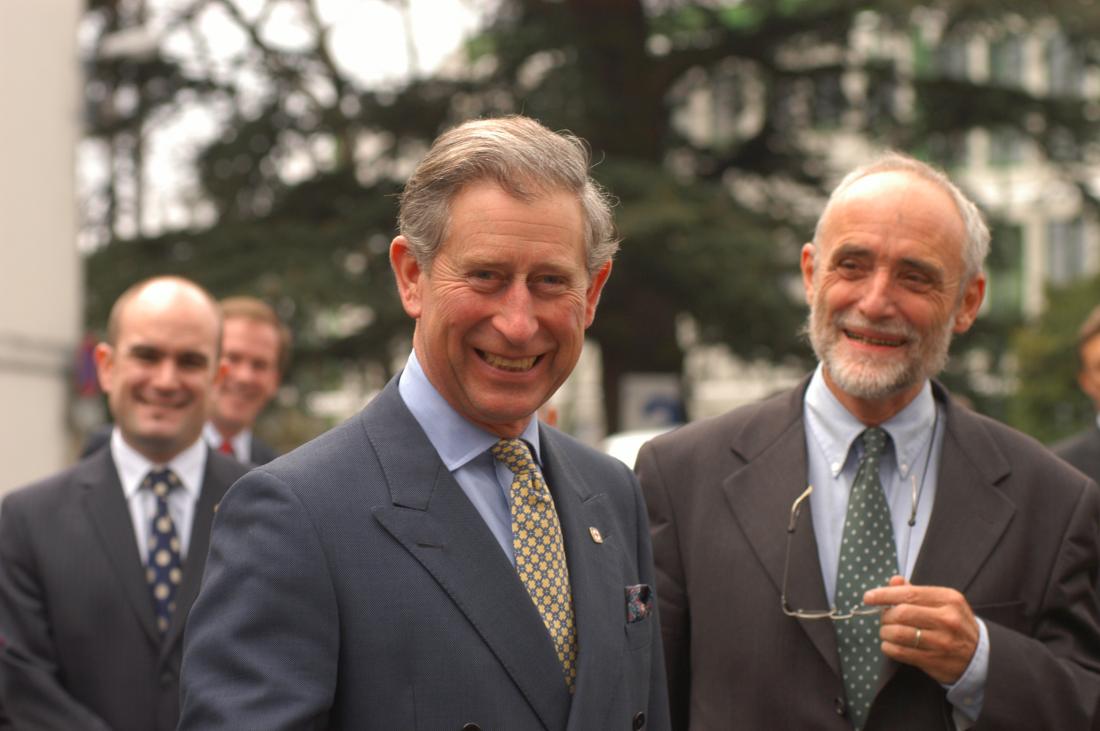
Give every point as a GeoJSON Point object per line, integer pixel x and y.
{"type": "Point", "coordinates": [159, 364]}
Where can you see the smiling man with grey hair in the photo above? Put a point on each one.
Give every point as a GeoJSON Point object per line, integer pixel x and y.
{"type": "Point", "coordinates": [443, 560]}
{"type": "Point", "coordinates": [862, 551]}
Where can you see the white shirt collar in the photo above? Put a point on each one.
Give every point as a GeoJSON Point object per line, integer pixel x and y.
{"type": "Point", "coordinates": [132, 466]}
{"type": "Point", "coordinates": [836, 428]}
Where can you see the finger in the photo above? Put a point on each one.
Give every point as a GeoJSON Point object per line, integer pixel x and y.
{"type": "Point", "coordinates": [928, 596]}
{"type": "Point", "coordinates": [918, 639]}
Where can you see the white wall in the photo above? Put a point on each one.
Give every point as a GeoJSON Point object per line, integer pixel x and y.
{"type": "Point", "coordinates": [40, 282]}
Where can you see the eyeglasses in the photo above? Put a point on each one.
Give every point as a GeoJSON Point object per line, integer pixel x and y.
{"type": "Point", "coordinates": [834, 614]}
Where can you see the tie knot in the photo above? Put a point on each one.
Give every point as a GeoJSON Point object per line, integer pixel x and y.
{"type": "Point", "coordinates": [161, 482]}
{"type": "Point", "coordinates": [874, 441]}
{"type": "Point", "coordinates": [515, 455]}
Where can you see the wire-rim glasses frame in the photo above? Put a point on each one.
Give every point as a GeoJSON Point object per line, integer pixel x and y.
{"type": "Point", "coordinates": [834, 614]}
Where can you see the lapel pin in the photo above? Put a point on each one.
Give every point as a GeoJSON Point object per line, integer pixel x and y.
{"type": "Point", "coordinates": [216, 506]}
{"type": "Point", "coordinates": [593, 531]}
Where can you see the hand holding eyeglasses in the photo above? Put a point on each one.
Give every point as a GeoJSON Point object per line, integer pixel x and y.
{"type": "Point", "coordinates": [929, 627]}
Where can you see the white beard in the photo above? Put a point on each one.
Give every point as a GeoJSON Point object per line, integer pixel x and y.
{"type": "Point", "coordinates": [871, 377]}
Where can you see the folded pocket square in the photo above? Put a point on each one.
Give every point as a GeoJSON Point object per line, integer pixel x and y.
{"type": "Point", "coordinates": [639, 602]}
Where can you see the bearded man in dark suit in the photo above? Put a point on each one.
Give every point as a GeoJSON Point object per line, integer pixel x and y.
{"type": "Point", "coordinates": [862, 551]}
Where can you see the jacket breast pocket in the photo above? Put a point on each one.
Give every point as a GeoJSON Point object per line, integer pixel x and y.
{"type": "Point", "coordinates": [639, 634]}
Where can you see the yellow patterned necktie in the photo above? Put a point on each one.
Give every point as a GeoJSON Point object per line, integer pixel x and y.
{"type": "Point", "coordinates": [540, 551]}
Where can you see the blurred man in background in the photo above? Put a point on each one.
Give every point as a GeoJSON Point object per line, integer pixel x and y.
{"type": "Point", "coordinates": [255, 353]}
{"type": "Point", "coordinates": [99, 565]}
{"type": "Point", "coordinates": [1083, 450]}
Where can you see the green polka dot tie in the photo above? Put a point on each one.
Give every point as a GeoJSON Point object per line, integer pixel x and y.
{"type": "Point", "coordinates": [164, 569]}
{"type": "Point", "coordinates": [540, 552]}
{"type": "Point", "coordinates": [868, 558]}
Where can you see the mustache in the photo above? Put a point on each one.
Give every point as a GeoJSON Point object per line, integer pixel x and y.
{"type": "Point", "coordinates": [894, 327]}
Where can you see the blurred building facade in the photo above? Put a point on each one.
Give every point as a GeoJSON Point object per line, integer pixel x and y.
{"type": "Point", "coordinates": [39, 264]}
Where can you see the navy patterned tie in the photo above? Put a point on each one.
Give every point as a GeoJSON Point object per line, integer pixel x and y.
{"type": "Point", "coordinates": [540, 551]}
{"type": "Point", "coordinates": [164, 569]}
{"type": "Point", "coordinates": [868, 558]}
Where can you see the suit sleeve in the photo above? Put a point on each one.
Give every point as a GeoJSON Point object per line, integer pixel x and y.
{"type": "Point", "coordinates": [1050, 677]}
{"type": "Point", "coordinates": [671, 594]}
{"type": "Point", "coordinates": [31, 691]}
{"type": "Point", "coordinates": [261, 645]}
{"type": "Point", "coordinates": [658, 711]}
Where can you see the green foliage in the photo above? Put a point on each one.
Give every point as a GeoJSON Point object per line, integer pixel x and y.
{"type": "Point", "coordinates": [713, 204]}
{"type": "Point", "coordinates": [1048, 404]}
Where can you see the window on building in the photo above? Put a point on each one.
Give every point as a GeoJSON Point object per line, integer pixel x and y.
{"type": "Point", "coordinates": [1006, 146]}
{"type": "Point", "coordinates": [1006, 60]}
{"type": "Point", "coordinates": [951, 57]}
{"type": "Point", "coordinates": [1065, 67]}
{"type": "Point", "coordinates": [1005, 270]}
{"type": "Point", "coordinates": [829, 102]}
{"type": "Point", "coordinates": [1066, 250]}
{"type": "Point", "coordinates": [947, 150]}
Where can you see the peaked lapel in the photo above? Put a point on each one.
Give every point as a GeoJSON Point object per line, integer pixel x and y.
{"type": "Point", "coordinates": [773, 446]}
{"type": "Point", "coordinates": [110, 515]}
{"type": "Point", "coordinates": [595, 577]}
{"type": "Point", "coordinates": [218, 475]}
{"type": "Point", "coordinates": [435, 522]}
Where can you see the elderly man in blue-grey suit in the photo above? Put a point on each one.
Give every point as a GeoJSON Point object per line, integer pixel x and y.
{"type": "Point", "coordinates": [442, 560]}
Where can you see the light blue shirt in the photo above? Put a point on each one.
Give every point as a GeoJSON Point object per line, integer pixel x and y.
{"type": "Point", "coordinates": [464, 449]}
{"type": "Point", "coordinates": [908, 472]}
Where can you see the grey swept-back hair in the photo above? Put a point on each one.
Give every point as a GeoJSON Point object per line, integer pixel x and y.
{"type": "Point", "coordinates": [976, 246]}
{"type": "Point", "coordinates": [525, 159]}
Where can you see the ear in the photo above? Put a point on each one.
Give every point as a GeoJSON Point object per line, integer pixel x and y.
{"type": "Point", "coordinates": [807, 264]}
{"type": "Point", "coordinates": [592, 295]}
{"type": "Point", "coordinates": [104, 356]}
{"type": "Point", "coordinates": [407, 272]}
{"type": "Point", "coordinates": [971, 303]}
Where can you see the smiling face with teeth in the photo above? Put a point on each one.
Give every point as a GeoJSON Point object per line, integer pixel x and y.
{"type": "Point", "coordinates": [502, 308]}
{"type": "Point", "coordinates": [885, 284]}
{"type": "Point", "coordinates": [160, 370]}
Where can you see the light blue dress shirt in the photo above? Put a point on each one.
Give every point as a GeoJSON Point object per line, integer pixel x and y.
{"type": "Point", "coordinates": [464, 449]}
{"type": "Point", "coordinates": [908, 474]}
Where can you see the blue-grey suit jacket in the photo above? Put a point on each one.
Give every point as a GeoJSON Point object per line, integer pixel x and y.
{"type": "Point", "coordinates": [352, 585]}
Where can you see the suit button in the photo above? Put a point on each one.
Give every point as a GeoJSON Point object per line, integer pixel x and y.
{"type": "Point", "coordinates": [639, 720]}
{"type": "Point", "coordinates": [840, 706]}
{"type": "Point", "coordinates": [166, 679]}
{"type": "Point", "coordinates": [471, 727]}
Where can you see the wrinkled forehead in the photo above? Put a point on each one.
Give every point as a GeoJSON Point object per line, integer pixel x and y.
{"type": "Point", "coordinates": [896, 203]}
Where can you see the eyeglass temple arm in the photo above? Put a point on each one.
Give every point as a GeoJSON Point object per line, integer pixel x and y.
{"type": "Point", "coordinates": [796, 507]}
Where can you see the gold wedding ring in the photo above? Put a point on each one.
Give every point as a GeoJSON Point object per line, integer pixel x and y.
{"type": "Point", "coordinates": [916, 640]}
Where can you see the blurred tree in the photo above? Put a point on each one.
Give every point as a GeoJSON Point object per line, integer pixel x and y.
{"type": "Point", "coordinates": [714, 123]}
{"type": "Point", "coordinates": [1049, 404]}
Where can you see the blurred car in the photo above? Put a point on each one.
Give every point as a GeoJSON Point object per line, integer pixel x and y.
{"type": "Point", "coordinates": [624, 445]}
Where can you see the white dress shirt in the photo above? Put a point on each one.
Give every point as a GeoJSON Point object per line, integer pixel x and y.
{"type": "Point", "coordinates": [132, 467]}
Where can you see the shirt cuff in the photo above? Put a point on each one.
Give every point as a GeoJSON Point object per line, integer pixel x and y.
{"type": "Point", "coordinates": [967, 694]}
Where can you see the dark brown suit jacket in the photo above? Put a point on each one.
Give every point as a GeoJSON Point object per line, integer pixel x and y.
{"type": "Point", "coordinates": [82, 649]}
{"type": "Point", "coordinates": [1012, 528]}
{"type": "Point", "coordinates": [1082, 451]}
